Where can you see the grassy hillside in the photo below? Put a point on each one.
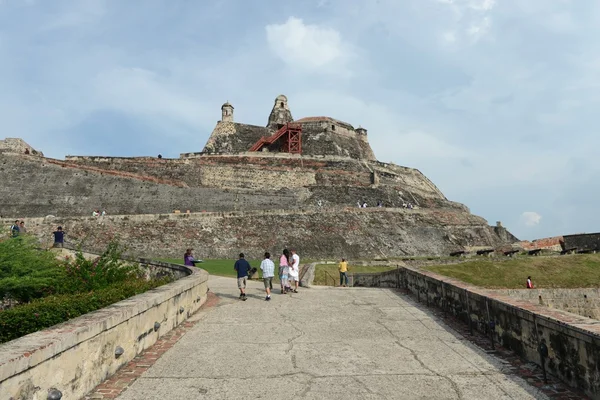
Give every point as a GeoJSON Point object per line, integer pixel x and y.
{"type": "Point", "coordinates": [569, 271]}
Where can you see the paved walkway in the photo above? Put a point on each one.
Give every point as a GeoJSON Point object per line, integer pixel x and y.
{"type": "Point", "coordinates": [324, 343]}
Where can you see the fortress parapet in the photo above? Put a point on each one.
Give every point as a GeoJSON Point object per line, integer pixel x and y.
{"type": "Point", "coordinates": [320, 136]}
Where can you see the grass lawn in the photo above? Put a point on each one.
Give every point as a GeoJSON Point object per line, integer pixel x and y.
{"type": "Point", "coordinates": [326, 274]}
{"type": "Point", "coordinates": [216, 267]}
{"type": "Point", "coordinates": [569, 271]}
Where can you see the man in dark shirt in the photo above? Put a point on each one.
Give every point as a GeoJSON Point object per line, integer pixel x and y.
{"type": "Point", "coordinates": [14, 229]}
{"type": "Point", "coordinates": [59, 237]}
{"type": "Point", "coordinates": [242, 267]}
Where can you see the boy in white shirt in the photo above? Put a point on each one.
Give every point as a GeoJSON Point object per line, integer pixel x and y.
{"type": "Point", "coordinates": [268, 272]}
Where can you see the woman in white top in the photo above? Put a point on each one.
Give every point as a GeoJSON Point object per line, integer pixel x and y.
{"type": "Point", "coordinates": [295, 269]}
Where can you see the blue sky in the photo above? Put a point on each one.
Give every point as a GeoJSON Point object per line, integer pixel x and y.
{"type": "Point", "coordinates": [492, 99]}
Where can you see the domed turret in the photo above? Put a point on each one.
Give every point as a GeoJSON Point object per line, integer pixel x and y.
{"type": "Point", "coordinates": [280, 114]}
{"type": "Point", "coordinates": [227, 112]}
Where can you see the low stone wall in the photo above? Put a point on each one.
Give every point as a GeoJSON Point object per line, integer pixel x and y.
{"type": "Point", "coordinates": [75, 356]}
{"type": "Point", "coordinates": [573, 341]}
{"type": "Point", "coordinates": [584, 302]}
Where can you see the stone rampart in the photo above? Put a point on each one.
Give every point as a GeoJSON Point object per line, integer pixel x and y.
{"type": "Point", "coordinates": [145, 185]}
{"type": "Point", "coordinates": [77, 355]}
{"type": "Point", "coordinates": [584, 302]}
{"type": "Point", "coordinates": [582, 242]}
{"type": "Point", "coordinates": [18, 146]}
{"type": "Point", "coordinates": [573, 341]}
{"type": "Point", "coordinates": [327, 232]}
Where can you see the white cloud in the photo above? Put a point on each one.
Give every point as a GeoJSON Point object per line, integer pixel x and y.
{"type": "Point", "coordinates": [306, 46]}
{"type": "Point", "coordinates": [530, 218]}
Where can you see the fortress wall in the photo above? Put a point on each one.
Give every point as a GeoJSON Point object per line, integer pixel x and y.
{"type": "Point", "coordinates": [233, 137]}
{"type": "Point", "coordinates": [18, 146]}
{"type": "Point", "coordinates": [329, 233]}
{"type": "Point", "coordinates": [270, 171]}
{"type": "Point", "coordinates": [319, 138]}
{"type": "Point", "coordinates": [36, 187]}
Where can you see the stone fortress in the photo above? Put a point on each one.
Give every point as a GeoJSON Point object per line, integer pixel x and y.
{"type": "Point", "coordinates": [252, 188]}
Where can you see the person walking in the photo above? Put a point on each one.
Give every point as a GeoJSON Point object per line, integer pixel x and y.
{"type": "Point", "coordinates": [529, 283]}
{"type": "Point", "coordinates": [242, 267]}
{"type": "Point", "coordinates": [268, 272]}
{"type": "Point", "coordinates": [343, 268]}
{"type": "Point", "coordinates": [295, 270]}
{"type": "Point", "coordinates": [59, 237]}
{"type": "Point", "coordinates": [22, 229]}
{"type": "Point", "coordinates": [284, 269]}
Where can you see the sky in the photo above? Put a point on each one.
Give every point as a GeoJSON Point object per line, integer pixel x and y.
{"type": "Point", "coordinates": [493, 100]}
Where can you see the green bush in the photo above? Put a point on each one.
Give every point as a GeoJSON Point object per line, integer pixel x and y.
{"type": "Point", "coordinates": [83, 275]}
{"type": "Point", "coordinates": [26, 272]}
{"type": "Point", "coordinates": [48, 311]}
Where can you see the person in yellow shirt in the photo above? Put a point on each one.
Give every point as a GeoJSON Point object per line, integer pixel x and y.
{"type": "Point", "coordinates": [343, 268]}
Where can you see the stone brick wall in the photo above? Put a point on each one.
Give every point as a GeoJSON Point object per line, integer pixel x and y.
{"type": "Point", "coordinates": [34, 186]}
{"type": "Point", "coordinates": [584, 302]}
{"type": "Point", "coordinates": [326, 233]}
{"type": "Point", "coordinates": [584, 241]}
{"type": "Point", "coordinates": [330, 137]}
{"type": "Point", "coordinates": [233, 137]}
{"type": "Point", "coordinates": [39, 187]}
{"type": "Point", "coordinates": [573, 341]}
{"type": "Point", "coordinates": [19, 146]}
{"type": "Point", "coordinates": [552, 243]}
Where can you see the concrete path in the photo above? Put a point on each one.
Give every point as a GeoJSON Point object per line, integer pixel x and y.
{"type": "Point", "coordinates": [323, 343]}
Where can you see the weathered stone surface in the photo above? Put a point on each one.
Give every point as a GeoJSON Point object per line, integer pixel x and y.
{"type": "Point", "coordinates": [582, 242]}
{"type": "Point", "coordinates": [331, 233]}
{"type": "Point", "coordinates": [324, 343]}
{"type": "Point", "coordinates": [519, 325]}
{"type": "Point", "coordinates": [584, 302]}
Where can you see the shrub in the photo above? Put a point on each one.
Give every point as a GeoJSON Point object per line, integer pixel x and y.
{"type": "Point", "coordinates": [84, 275]}
{"type": "Point", "coordinates": [26, 272]}
{"type": "Point", "coordinates": [48, 311]}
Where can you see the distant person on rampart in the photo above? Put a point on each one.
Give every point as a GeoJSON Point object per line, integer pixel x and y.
{"type": "Point", "coordinates": [343, 268]}
{"type": "Point", "coordinates": [103, 213]}
{"type": "Point", "coordinates": [188, 258]}
{"type": "Point", "coordinates": [268, 272]}
{"type": "Point", "coordinates": [242, 268]}
{"type": "Point", "coordinates": [529, 283]}
{"type": "Point", "coordinates": [284, 269]}
{"type": "Point", "coordinates": [95, 213]}
{"type": "Point", "coordinates": [295, 270]}
{"type": "Point", "coordinates": [59, 237]}
{"type": "Point", "coordinates": [22, 229]}
{"type": "Point", "coordinates": [14, 229]}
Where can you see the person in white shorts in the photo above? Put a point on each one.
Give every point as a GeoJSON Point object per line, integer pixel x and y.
{"type": "Point", "coordinates": [294, 272]}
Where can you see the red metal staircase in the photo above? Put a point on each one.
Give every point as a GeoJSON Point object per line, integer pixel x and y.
{"type": "Point", "coordinates": [291, 139]}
